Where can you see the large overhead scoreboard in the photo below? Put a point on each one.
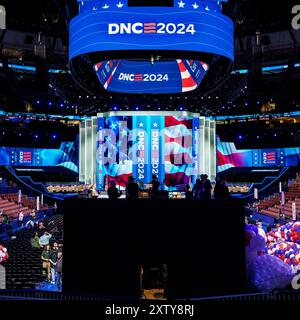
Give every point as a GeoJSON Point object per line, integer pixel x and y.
{"type": "Point", "coordinates": [175, 146]}
{"type": "Point", "coordinates": [154, 50]}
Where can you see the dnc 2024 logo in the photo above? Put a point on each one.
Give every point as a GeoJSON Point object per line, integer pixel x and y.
{"type": "Point", "coordinates": [138, 77]}
{"type": "Point", "coordinates": [151, 28]}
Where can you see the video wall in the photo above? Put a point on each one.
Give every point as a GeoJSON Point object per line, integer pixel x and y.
{"type": "Point", "coordinates": [144, 77]}
{"type": "Point", "coordinates": [175, 146]}
{"type": "Point", "coordinates": [66, 156]}
{"type": "Point", "coordinates": [228, 156]}
{"type": "Point", "coordinates": [151, 50]}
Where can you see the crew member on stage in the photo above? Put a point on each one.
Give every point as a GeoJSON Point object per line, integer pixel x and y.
{"type": "Point", "coordinates": [155, 187]}
{"type": "Point", "coordinates": [202, 188]}
{"type": "Point", "coordinates": [113, 192]}
{"type": "Point", "coordinates": [132, 189]}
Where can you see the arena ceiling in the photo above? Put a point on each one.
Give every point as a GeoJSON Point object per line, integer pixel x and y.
{"type": "Point", "coordinates": [242, 93]}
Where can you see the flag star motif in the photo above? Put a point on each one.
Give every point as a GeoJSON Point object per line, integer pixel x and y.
{"type": "Point", "coordinates": [120, 5]}
{"type": "Point", "coordinates": [141, 125]}
{"type": "Point", "coordinates": [106, 6]}
{"type": "Point", "coordinates": [181, 4]}
{"type": "Point", "coordinates": [195, 6]}
{"type": "Point", "coordinates": [155, 125]}
{"type": "Point", "coordinates": [113, 126]}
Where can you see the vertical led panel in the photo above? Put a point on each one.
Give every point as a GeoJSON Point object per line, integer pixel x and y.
{"type": "Point", "coordinates": [213, 165]}
{"type": "Point", "coordinates": [82, 162]}
{"type": "Point", "coordinates": [207, 148]}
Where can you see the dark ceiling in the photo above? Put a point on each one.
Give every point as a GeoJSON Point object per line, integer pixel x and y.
{"type": "Point", "coordinates": [52, 15]}
{"type": "Point", "coordinates": [237, 95]}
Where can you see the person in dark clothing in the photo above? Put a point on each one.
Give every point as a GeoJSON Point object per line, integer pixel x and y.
{"type": "Point", "coordinates": [113, 192]}
{"type": "Point", "coordinates": [132, 189]}
{"type": "Point", "coordinates": [155, 186]}
{"type": "Point", "coordinates": [53, 260]}
{"type": "Point", "coordinates": [225, 189]}
{"type": "Point", "coordinates": [221, 190]}
{"type": "Point", "coordinates": [196, 192]}
{"type": "Point", "coordinates": [59, 270]}
{"type": "Point", "coordinates": [188, 193]}
{"type": "Point", "coordinates": [202, 188]}
{"type": "Point", "coordinates": [218, 188]}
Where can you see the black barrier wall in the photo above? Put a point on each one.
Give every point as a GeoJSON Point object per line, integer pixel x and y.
{"type": "Point", "coordinates": [202, 243]}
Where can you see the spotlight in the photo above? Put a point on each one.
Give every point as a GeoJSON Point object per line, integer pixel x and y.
{"type": "Point", "coordinates": [152, 60]}
{"type": "Point", "coordinates": [50, 103]}
{"type": "Point", "coordinates": [137, 108]}
{"type": "Point", "coordinates": [36, 136]}
{"type": "Point", "coordinates": [54, 136]}
{"type": "Point", "coordinates": [38, 102]}
{"type": "Point", "coordinates": [61, 104]}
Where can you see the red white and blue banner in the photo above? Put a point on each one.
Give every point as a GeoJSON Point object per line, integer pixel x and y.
{"type": "Point", "coordinates": [144, 144]}
{"type": "Point", "coordinates": [228, 156]}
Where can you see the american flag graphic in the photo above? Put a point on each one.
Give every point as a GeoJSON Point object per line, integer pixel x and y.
{"type": "Point", "coordinates": [27, 156]}
{"type": "Point", "coordinates": [138, 77]}
{"type": "Point", "coordinates": [177, 151]}
{"type": "Point", "coordinates": [149, 27]}
{"type": "Point", "coordinates": [270, 156]}
{"type": "Point", "coordinates": [188, 82]}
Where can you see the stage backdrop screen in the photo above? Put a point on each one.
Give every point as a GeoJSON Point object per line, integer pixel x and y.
{"type": "Point", "coordinates": [228, 156]}
{"type": "Point", "coordinates": [140, 145]}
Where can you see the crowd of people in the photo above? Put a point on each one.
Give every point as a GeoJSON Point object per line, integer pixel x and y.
{"type": "Point", "coordinates": [202, 189]}
{"type": "Point", "coordinates": [51, 253]}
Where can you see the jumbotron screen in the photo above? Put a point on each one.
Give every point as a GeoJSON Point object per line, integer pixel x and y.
{"type": "Point", "coordinates": [147, 77]}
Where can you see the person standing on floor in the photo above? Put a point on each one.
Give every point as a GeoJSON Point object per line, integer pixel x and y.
{"type": "Point", "coordinates": [20, 219]}
{"type": "Point", "coordinates": [59, 270]}
{"type": "Point", "coordinates": [132, 189]}
{"type": "Point", "coordinates": [196, 192]}
{"type": "Point", "coordinates": [45, 257]}
{"type": "Point", "coordinates": [205, 187]}
{"type": "Point", "coordinates": [155, 186]}
{"type": "Point", "coordinates": [53, 260]}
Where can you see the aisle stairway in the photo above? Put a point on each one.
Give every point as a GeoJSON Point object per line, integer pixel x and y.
{"type": "Point", "coordinates": [9, 205]}
{"type": "Point", "coordinates": [271, 206]}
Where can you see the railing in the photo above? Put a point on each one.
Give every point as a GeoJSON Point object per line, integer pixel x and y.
{"type": "Point", "coordinates": [29, 190]}
{"type": "Point", "coordinates": [265, 188]}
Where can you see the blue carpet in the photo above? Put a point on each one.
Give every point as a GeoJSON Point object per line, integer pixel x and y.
{"type": "Point", "coordinates": [46, 286]}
